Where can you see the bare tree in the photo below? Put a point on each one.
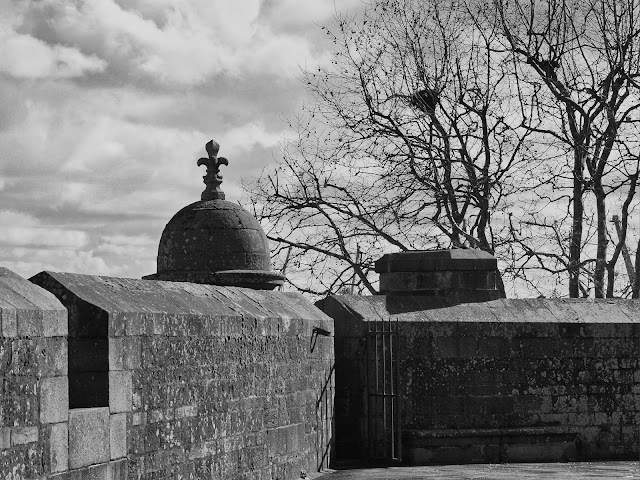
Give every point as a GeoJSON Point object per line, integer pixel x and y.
{"type": "Point", "coordinates": [414, 139]}
{"type": "Point", "coordinates": [580, 62]}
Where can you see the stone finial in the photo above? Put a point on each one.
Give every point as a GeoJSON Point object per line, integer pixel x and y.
{"type": "Point", "coordinates": [212, 179]}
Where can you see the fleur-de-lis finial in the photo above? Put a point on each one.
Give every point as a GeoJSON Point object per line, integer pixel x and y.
{"type": "Point", "coordinates": [212, 179]}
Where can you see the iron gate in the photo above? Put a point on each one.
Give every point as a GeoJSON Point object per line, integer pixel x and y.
{"type": "Point", "coordinates": [383, 426]}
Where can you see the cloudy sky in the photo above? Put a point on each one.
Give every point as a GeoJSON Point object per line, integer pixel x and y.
{"type": "Point", "coordinates": [105, 106]}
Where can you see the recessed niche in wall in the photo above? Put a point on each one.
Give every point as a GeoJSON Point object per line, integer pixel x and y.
{"type": "Point", "coordinates": [88, 344]}
{"type": "Point", "coordinates": [88, 357]}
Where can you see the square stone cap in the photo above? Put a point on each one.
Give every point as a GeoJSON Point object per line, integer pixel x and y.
{"type": "Point", "coordinates": [19, 293]}
{"type": "Point", "coordinates": [437, 261]}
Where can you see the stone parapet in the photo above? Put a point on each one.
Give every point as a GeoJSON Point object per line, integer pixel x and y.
{"type": "Point", "coordinates": [467, 274]}
{"type": "Point", "coordinates": [34, 400]}
{"type": "Point", "coordinates": [203, 381]}
{"type": "Point", "coordinates": [496, 381]}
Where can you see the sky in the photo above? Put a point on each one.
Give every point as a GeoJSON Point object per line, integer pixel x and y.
{"type": "Point", "coordinates": [106, 105]}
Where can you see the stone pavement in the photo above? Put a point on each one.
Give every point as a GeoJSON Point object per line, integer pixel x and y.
{"type": "Point", "coordinates": [514, 471]}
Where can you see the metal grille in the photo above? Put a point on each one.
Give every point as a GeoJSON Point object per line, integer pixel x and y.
{"type": "Point", "coordinates": [383, 425]}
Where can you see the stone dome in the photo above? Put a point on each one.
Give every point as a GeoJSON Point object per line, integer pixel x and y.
{"type": "Point", "coordinates": [214, 241]}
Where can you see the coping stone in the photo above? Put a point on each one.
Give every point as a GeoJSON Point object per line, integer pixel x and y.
{"type": "Point", "coordinates": [27, 309]}
{"type": "Point", "coordinates": [436, 261]}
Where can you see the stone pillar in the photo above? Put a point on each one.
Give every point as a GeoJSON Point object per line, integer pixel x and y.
{"type": "Point", "coordinates": [462, 275]}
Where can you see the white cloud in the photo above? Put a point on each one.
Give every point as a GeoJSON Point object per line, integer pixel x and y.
{"type": "Point", "coordinates": [22, 229]}
{"type": "Point", "coordinates": [248, 136]}
{"type": "Point", "coordinates": [128, 246]}
{"type": "Point", "coordinates": [178, 43]}
{"type": "Point", "coordinates": [98, 148]}
{"type": "Point", "coordinates": [292, 13]}
{"type": "Point", "coordinates": [27, 262]}
{"type": "Point", "coordinates": [23, 56]}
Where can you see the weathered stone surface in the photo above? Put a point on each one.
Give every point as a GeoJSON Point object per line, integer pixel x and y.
{"type": "Point", "coordinates": [88, 437]}
{"type": "Point", "coordinates": [214, 236]}
{"type": "Point", "coordinates": [5, 437]}
{"type": "Point", "coordinates": [511, 369]}
{"type": "Point", "coordinates": [59, 447]}
{"type": "Point", "coordinates": [23, 435]}
{"type": "Point", "coordinates": [204, 372]}
{"type": "Point", "coordinates": [33, 325]}
{"type": "Point", "coordinates": [461, 280]}
{"type": "Point", "coordinates": [54, 399]}
{"type": "Point", "coordinates": [116, 354]}
{"type": "Point", "coordinates": [120, 391]}
{"type": "Point", "coordinates": [9, 321]}
{"type": "Point", "coordinates": [461, 275]}
{"type": "Point", "coordinates": [436, 261]}
{"type": "Point", "coordinates": [118, 436]}
{"type": "Point", "coordinates": [28, 310]}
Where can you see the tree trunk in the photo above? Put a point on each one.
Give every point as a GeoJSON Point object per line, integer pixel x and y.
{"type": "Point", "coordinates": [635, 292]}
{"type": "Point", "coordinates": [576, 228]}
{"type": "Point", "coordinates": [601, 251]}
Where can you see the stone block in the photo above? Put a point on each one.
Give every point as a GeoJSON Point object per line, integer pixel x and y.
{"type": "Point", "coordinates": [54, 356]}
{"type": "Point", "coordinates": [59, 447]}
{"type": "Point", "coordinates": [9, 322]}
{"type": "Point", "coordinates": [132, 353]}
{"type": "Point", "coordinates": [96, 472]}
{"type": "Point", "coordinates": [446, 347]}
{"type": "Point", "coordinates": [23, 435]}
{"type": "Point", "coordinates": [29, 322]}
{"type": "Point", "coordinates": [120, 391]}
{"type": "Point", "coordinates": [54, 400]}
{"type": "Point", "coordinates": [118, 436]}
{"type": "Point", "coordinates": [89, 441]}
{"type": "Point", "coordinates": [116, 360]}
{"type": "Point", "coordinates": [186, 411]}
{"type": "Point", "coordinates": [117, 324]}
{"type": "Point", "coordinates": [54, 323]}
{"type": "Point", "coordinates": [436, 260]}
{"type": "Point", "coordinates": [118, 470]}
{"type": "Point", "coordinates": [5, 437]}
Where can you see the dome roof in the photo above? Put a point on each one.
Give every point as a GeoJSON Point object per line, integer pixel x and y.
{"type": "Point", "coordinates": [216, 242]}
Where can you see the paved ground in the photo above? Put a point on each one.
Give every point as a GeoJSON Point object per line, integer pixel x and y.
{"type": "Point", "coordinates": [520, 471]}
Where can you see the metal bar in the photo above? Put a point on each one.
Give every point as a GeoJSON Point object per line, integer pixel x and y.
{"type": "Point", "coordinates": [393, 391]}
{"type": "Point", "coordinates": [368, 387]}
{"type": "Point", "coordinates": [398, 397]}
{"type": "Point", "coordinates": [384, 391]}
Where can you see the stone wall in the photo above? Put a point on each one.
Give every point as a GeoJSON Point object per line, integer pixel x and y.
{"type": "Point", "coordinates": [202, 381]}
{"type": "Point", "coordinates": [33, 380]}
{"type": "Point", "coordinates": [505, 380]}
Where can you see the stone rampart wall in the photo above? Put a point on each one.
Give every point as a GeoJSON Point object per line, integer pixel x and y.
{"type": "Point", "coordinates": [203, 381]}
{"type": "Point", "coordinates": [506, 380]}
{"type": "Point", "coordinates": [33, 380]}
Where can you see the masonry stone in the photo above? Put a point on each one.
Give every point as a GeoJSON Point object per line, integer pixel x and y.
{"type": "Point", "coordinates": [54, 400]}
{"type": "Point", "coordinates": [207, 374]}
{"type": "Point", "coordinates": [120, 391]}
{"type": "Point", "coordinates": [5, 437]}
{"type": "Point", "coordinates": [59, 447]}
{"type": "Point", "coordinates": [23, 435]}
{"type": "Point", "coordinates": [9, 322]}
{"type": "Point", "coordinates": [89, 441]}
{"type": "Point", "coordinates": [496, 381]}
{"type": "Point", "coordinates": [118, 436]}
